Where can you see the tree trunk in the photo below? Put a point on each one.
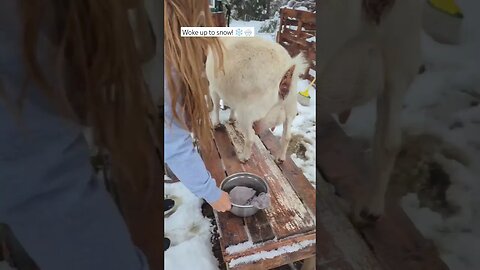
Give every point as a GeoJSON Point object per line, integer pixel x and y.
{"type": "Point", "coordinates": [268, 9]}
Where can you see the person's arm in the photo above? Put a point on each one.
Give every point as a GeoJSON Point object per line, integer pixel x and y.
{"type": "Point", "coordinates": [184, 161]}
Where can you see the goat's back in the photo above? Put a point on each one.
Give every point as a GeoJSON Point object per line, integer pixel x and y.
{"type": "Point", "coordinates": [253, 68]}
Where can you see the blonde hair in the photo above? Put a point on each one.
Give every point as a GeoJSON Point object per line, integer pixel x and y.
{"type": "Point", "coordinates": [186, 56]}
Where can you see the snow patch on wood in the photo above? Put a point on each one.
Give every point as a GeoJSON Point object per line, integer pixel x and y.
{"type": "Point", "coordinates": [239, 247]}
{"type": "Point", "coordinates": [271, 253]}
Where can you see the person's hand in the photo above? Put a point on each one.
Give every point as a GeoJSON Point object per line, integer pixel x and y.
{"type": "Point", "coordinates": [223, 204]}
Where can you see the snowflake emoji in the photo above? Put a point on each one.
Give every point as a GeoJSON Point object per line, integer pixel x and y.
{"type": "Point", "coordinates": [248, 32]}
{"type": "Point", "coordinates": [239, 32]}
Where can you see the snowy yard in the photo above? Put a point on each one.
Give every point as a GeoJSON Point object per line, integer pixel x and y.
{"type": "Point", "coordinates": [189, 231]}
{"type": "Point", "coordinates": [441, 151]}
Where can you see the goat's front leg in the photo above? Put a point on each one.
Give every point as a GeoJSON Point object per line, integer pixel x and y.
{"type": "Point", "coordinates": [285, 140]}
{"type": "Point", "coordinates": [249, 133]}
{"type": "Point", "coordinates": [386, 144]}
{"type": "Point", "coordinates": [216, 109]}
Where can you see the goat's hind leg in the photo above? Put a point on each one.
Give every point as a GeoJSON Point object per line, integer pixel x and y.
{"type": "Point", "coordinates": [245, 126]}
{"type": "Point", "coordinates": [386, 144]}
{"type": "Point", "coordinates": [216, 109]}
{"type": "Point", "coordinates": [285, 140]}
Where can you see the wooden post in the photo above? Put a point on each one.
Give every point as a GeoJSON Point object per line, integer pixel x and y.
{"type": "Point", "coordinates": [219, 19]}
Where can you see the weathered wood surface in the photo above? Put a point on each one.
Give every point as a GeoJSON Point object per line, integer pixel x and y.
{"type": "Point", "coordinates": [219, 19]}
{"type": "Point", "coordinates": [231, 229]}
{"type": "Point", "coordinates": [290, 171]}
{"type": "Point", "coordinates": [300, 15]}
{"type": "Point", "coordinates": [396, 242]}
{"type": "Point", "coordinates": [286, 220]}
{"type": "Point", "coordinates": [287, 214]}
{"type": "Point", "coordinates": [284, 258]}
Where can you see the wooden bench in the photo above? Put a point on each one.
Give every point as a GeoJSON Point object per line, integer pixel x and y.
{"type": "Point", "coordinates": [395, 242]}
{"type": "Point", "coordinates": [281, 234]}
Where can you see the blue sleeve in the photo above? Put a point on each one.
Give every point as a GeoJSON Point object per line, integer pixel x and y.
{"type": "Point", "coordinates": [184, 161]}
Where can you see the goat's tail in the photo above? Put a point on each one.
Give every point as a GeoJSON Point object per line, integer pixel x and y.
{"type": "Point", "coordinates": [297, 66]}
{"type": "Point", "coordinates": [301, 64]}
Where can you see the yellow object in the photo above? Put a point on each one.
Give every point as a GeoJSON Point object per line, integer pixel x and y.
{"type": "Point", "coordinates": [447, 6]}
{"type": "Point", "coordinates": [305, 92]}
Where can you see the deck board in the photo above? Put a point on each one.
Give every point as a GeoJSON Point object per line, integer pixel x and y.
{"type": "Point", "coordinates": [231, 229]}
{"type": "Point", "coordinates": [287, 214]}
{"type": "Point", "coordinates": [295, 176]}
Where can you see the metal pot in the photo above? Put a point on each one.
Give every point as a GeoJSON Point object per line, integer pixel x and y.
{"type": "Point", "coordinates": [247, 180]}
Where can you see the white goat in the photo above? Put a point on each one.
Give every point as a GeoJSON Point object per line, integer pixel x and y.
{"type": "Point", "coordinates": [369, 49]}
{"type": "Point", "coordinates": [259, 85]}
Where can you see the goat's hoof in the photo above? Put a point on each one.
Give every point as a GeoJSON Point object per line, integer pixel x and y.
{"type": "Point", "coordinates": [369, 217]}
{"type": "Point", "coordinates": [243, 160]}
{"type": "Point", "coordinates": [279, 160]}
{"type": "Point", "coordinates": [365, 218]}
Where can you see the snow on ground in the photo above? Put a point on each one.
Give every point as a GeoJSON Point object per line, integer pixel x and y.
{"type": "Point", "coordinates": [444, 102]}
{"type": "Point", "coordinates": [189, 231]}
{"type": "Point", "coordinates": [257, 25]}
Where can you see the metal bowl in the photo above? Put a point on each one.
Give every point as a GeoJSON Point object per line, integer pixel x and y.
{"type": "Point", "coordinates": [247, 180]}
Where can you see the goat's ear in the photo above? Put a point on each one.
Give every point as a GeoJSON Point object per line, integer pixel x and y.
{"type": "Point", "coordinates": [285, 83]}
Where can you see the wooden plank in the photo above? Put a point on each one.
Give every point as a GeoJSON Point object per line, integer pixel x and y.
{"type": "Point", "coordinates": [305, 16]}
{"type": "Point", "coordinates": [292, 37]}
{"type": "Point", "coordinates": [295, 176]}
{"type": "Point", "coordinates": [227, 151]}
{"type": "Point", "coordinates": [258, 225]}
{"type": "Point", "coordinates": [287, 215]}
{"type": "Point", "coordinates": [213, 162]}
{"type": "Point", "coordinates": [309, 27]}
{"type": "Point", "coordinates": [259, 228]}
{"type": "Point", "coordinates": [231, 228]}
{"type": "Point", "coordinates": [281, 260]}
{"type": "Point", "coordinates": [219, 19]}
{"type": "Point", "coordinates": [274, 245]}
{"type": "Point", "coordinates": [396, 242]}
